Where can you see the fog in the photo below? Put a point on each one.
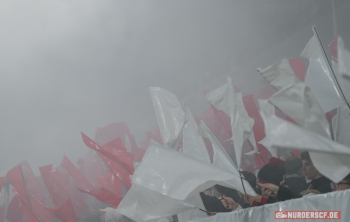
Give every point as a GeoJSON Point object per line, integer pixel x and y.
{"type": "Point", "coordinates": [72, 66]}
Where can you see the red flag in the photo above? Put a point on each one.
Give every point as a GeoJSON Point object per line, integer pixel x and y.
{"type": "Point", "coordinates": [14, 214]}
{"type": "Point", "coordinates": [92, 170]}
{"type": "Point", "coordinates": [104, 152]}
{"type": "Point", "coordinates": [64, 212]}
{"type": "Point", "coordinates": [104, 196]}
{"type": "Point", "coordinates": [77, 176]}
{"type": "Point", "coordinates": [32, 184]}
{"type": "Point", "coordinates": [18, 180]}
{"type": "Point", "coordinates": [45, 174]}
{"type": "Point", "coordinates": [299, 68]}
{"type": "Point", "coordinates": [27, 211]}
{"type": "Point", "coordinates": [110, 182]}
{"type": "Point", "coordinates": [39, 210]}
{"type": "Point", "coordinates": [110, 132]}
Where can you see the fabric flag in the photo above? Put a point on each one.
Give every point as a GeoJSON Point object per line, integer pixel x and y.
{"type": "Point", "coordinates": [104, 196]}
{"type": "Point", "coordinates": [77, 176]}
{"type": "Point", "coordinates": [45, 174]}
{"type": "Point", "coordinates": [343, 59]}
{"type": "Point", "coordinates": [280, 74]}
{"type": "Point", "coordinates": [342, 126]}
{"type": "Point", "coordinates": [163, 187]}
{"type": "Point", "coordinates": [299, 68]}
{"type": "Point", "coordinates": [319, 78]}
{"type": "Point", "coordinates": [225, 99]}
{"type": "Point", "coordinates": [299, 103]}
{"type": "Point", "coordinates": [110, 182]}
{"type": "Point", "coordinates": [105, 152]}
{"type": "Point", "coordinates": [193, 144]}
{"type": "Point", "coordinates": [117, 148]}
{"type": "Point", "coordinates": [331, 159]}
{"type": "Point", "coordinates": [27, 211]}
{"type": "Point", "coordinates": [32, 184]}
{"type": "Point", "coordinates": [64, 212]}
{"type": "Point", "coordinates": [110, 132]}
{"type": "Point", "coordinates": [39, 210]}
{"type": "Point", "coordinates": [170, 116]}
{"type": "Point", "coordinates": [14, 214]}
{"type": "Point", "coordinates": [17, 179]}
{"type": "Point", "coordinates": [119, 170]}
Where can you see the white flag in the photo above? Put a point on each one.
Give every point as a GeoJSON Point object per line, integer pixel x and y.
{"type": "Point", "coordinates": [193, 144]}
{"type": "Point", "coordinates": [343, 58]}
{"type": "Point", "coordinates": [319, 78]}
{"type": "Point", "coordinates": [170, 116]}
{"type": "Point", "coordinates": [331, 159]}
{"type": "Point", "coordinates": [280, 74]}
{"type": "Point", "coordinates": [225, 99]}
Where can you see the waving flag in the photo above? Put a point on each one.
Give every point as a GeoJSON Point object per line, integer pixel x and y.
{"type": "Point", "coordinates": [170, 116]}
{"type": "Point", "coordinates": [110, 182]}
{"type": "Point", "coordinates": [319, 78]}
{"type": "Point", "coordinates": [104, 196]}
{"type": "Point", "coordinates": [64, 212]}
{"type": "Point", "coordinates": [39, 210]}
{"type": "Point", "coordinates": [45, 174]}
{"type": "Point", "coordinates": [193, 144]}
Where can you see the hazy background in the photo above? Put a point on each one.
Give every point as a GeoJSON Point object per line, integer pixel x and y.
{"type": "Point", "coordinates": [68, 66]}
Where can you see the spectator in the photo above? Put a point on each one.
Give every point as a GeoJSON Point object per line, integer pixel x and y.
{"type": "Point", "coordinates": [293, 178]}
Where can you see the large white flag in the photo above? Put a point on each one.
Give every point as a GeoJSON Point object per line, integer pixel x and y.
{"type": "Point", "coordinates": [299, 103]}
{"type": "Point", "coordinates": [319, 77]}
{"type": "Point", "coordinates": [343, 58]}
{"type": "Point", "coordinates": [330, 158]}
{"type": "Point", "coordinates": [268, 110]}
{"type": "Point", "coordinates": [341, 128]}
{"type": "Point", "coordinates": [280, 74]}
{"type": "Point", "coordinates": [225, 99]}
{"type": "Point", "coordinates": [170, 116]}
{"type": "Point", "coordinates": [193, 144]}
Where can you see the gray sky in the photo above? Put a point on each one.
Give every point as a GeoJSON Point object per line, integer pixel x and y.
{"type": "Point", "coordinates": [72, 66]}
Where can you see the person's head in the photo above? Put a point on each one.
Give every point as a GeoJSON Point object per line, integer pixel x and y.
{"type": "Point", "coordinates": [272, 172]}
{"type": "Point", "coordinates": [308, 168]}
{"type": "Point", "coordinates": [293, 165]}
{"type": "Point", "coordinates": [344, 184]}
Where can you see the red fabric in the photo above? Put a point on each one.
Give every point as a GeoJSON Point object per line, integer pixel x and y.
{"type": "Point", "coordinates": [32, 184]}
{"type": "Point", "coordinates": [64, 212]}
{"type": "Point", "coordinates": [77, 176]}
{"type": "Point", "coordinates": [2, 181]}
{"type": "Point", "coordinates": [40, 211]}
{"type": "Point", "coordinates": [104, 196]}
{"type": "Point", "coordinates": [45, 174]}
{"type": "Point", "coordinates": [2, 214]}
{"type": "Point", "coordinates": [264, 200]}
{"type": "Point", "coordinates": [106, 150]}
{"type": "Point", "coordinates": [299, 68]}
{"type": "Point", "coordinates": [16, 177]}
{"type": "Point", "coordinates": [334, 48]}
{"type": "Point", "coordinates": [92, 170]}
{"type": "Point", "coordinates": [110, 132]}
{"type": "Point", "coordinates": [14, 214]}
{"type": "Point", "coordinates": [27, 211]}
{"type": "Point", "coordinates": [111, 183]}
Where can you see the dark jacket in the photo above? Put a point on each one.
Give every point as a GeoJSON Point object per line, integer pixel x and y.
{"type": "Point", "coordinates": [213, 204]}
{"type": "Point", "coordinates": [321, 184]}
{"type": "Point", "coordinates": [296, 184]}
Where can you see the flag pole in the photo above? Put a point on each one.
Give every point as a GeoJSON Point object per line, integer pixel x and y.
{"type": "Point", "coordinates": [242, 181]}
{"type": "Point", "coordinates": [338, 88]}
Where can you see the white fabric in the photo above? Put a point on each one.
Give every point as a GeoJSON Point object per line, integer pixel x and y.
{"type": "Point", "coordinates": [112, 215]}
{"type": "Point", "coordinates": [330, 158]}
{"type": "Point", "coordinates": [166, 183]}
{"type": "Point", "coordinates": [334, 201]}
{"type": "Point", "coordinates": [343, 58]}
{"type": "Point", "coordinates": [299, 103]}
{"type": "Point", "coordinates": [342, 126]}
{"type": "Point", "coordinates": [225, 99]}
{"type": "Point", "coordinates": [280, 74]}
{"type": "Point", "coordinates": [266, 143]}
{"type": "Point", "coordinates": [170, 116]}
{"type": "Point", "coordinates": [319, 78]}
{"type": "Point", "coordinates": [193, 144]}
